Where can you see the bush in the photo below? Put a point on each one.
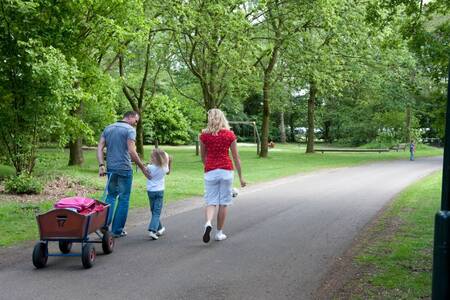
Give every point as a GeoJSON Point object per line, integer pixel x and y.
{"type": "Point", "coordinates": [164, 122]}
{"type": "Point", "coordinates": [23, 184]}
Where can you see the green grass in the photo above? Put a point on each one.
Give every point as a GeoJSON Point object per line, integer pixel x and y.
{"type": "Point", "coordinates": [18, 221]}
{"type": "Point", "coordinates": [397, 263]}
{"type": "Point", "coordinates": [6, 171]}
{"type": "Point", "coordinates": [186, 179]}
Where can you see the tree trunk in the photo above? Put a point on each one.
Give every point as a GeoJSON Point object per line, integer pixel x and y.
{"type": "Point", "coordinates": [282, 129]}
{"type": "Point", "coordinates": [408, 125]}
{"type": "Point", "coordinates": [311, 104]}
{"type": "Point", "coordinates": [76, 152]}
{"type": "Point", "coordinates": [265, 122]}
{"type": "Point", "coordinates": [208, 99]}
{"type": "Point", "coordinates": [327, 134]}
{"type": "Point", "coordinates": [266, 104]}
{"type": "Point", "coordinates": [140, 138]}
{"type": "Point", "coordinates": [291, 128]}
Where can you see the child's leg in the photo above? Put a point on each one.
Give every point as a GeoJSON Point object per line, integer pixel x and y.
{"type": "Point", "coordinates": [157, 203]}
{"type": "Point", "coordinates": [160, 226]}
{"type": "Point", "coordinates": [151, 203]}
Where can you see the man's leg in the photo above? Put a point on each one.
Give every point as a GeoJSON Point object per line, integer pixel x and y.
{"type": "Point", "coordinates": [120, 217]}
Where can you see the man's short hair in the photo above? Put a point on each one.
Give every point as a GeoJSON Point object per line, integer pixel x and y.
{"type": "Point", "coordinates": [130, 114]}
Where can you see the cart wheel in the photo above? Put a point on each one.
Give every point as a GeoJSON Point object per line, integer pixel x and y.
{"type": "Point", "coordinates": [88, 255]}
{"type": "Point", "coordinates": [104, 229]}
{"type": "Point", "coordinates": [40, 255]}
{"type": "Point", "coordinates": [65, 246]}
{"type": "Point", "coordinates": [107, 242]}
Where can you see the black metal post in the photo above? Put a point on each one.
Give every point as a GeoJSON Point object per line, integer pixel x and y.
{"type": "Point", "coordinates": [441, 251]}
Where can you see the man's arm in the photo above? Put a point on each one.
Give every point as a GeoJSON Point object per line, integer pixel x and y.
{"type": "Point", "coordinates": [101, 162]}
{"type": "Point", "coordinates": [135, 157]}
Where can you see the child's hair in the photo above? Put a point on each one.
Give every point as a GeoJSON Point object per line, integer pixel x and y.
{"type": "Point", "coordinates": [159, 157]}
{"type": "Point", "coordinates": [216, 121]}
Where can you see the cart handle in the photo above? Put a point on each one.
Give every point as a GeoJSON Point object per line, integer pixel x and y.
{"type": "Point", "coordinates": [105, 191]}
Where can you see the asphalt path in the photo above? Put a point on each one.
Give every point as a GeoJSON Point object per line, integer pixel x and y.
{"type": "Point", "coordinates": [283, 237]}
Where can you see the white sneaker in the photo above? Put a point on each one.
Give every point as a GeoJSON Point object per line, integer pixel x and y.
{"type": "Point", "coordinates": [220, 237]}
{"type": "Point", "coordinates": [152, 235]}
{"type": "Point", "coordinates": [161, 231]}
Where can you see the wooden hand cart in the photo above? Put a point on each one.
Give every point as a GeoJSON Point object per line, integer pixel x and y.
{"type": "Point", "coordinates": [67, 227]}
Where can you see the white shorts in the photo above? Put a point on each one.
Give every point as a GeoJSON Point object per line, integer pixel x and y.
{"type": "Point", "coordinates": [218, 187]}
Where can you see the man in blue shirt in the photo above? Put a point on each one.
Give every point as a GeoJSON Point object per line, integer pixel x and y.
{"type": "Point", "coordinates": [120, 141]}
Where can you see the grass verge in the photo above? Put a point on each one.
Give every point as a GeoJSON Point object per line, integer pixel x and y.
{"type": "Point", "coordinates": [394, 260]}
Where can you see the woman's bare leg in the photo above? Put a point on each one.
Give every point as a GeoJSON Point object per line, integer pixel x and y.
{"type": "Point", "coordinates": [221, 215]}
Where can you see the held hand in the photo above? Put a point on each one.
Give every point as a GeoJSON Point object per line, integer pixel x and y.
{"type": "Point", "coordinates": [146, 173]}
{"type": "Point", "coordinates": [101, 171]}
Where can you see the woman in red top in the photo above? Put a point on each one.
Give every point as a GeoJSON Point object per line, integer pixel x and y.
{"type": "Point", "coordinates": [215, 142]}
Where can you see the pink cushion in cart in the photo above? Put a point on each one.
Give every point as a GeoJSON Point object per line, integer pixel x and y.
{"type": "Point", "coordinates": [78, 203]}
{"type": "Point", "coordinates": [97, 207]}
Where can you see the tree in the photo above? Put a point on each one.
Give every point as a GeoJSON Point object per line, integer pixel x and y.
{"type": "Point", "coordinates": [215, 55]}
{"type": "Point", "coordinates": [425, 26]}
{"type": "Point", "coordinates": [276, 23]}
{"type": "Point", "coordinates": [36, 91]}
{"type": "Point", "coordinates": [141, 60]}
{"type": "Point", "coordinates": [165, 123]}
{"type": "Point", "coordinates": [82, 31]}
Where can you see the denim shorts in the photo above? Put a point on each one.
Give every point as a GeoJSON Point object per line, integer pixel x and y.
{"type": "Point", "coordinates": [218, 187]}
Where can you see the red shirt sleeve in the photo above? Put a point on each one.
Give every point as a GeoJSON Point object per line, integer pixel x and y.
{"type": "Point", "coordinates": [202, 138]}
{"type": "Point", "coordinates": [232, 136]}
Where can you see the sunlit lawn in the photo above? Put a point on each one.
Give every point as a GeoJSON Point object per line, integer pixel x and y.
{"type": "Point", "coordinates": [186, 179]}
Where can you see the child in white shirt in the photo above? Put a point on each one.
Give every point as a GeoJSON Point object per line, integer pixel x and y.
{"type": "Point", "coordinates": [160, 165]}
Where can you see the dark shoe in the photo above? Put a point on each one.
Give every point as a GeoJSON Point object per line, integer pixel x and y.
{"type": "Point", "coordinates": [206, 235]}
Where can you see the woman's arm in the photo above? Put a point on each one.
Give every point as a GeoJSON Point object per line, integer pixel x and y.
{"type": "Point", "coordinates": [237, 162]}
{"type": "Point", "coordinates": [169, 164]}
{"type": "Point", "coordinates": [203, 152]}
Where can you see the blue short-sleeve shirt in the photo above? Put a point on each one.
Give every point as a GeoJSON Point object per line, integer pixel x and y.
{"type": "Point", "coordinates": [116, 137]}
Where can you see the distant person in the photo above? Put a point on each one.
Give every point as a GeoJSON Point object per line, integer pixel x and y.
{"type": "Point", "coordinates": [215, 141]}
{"type": "Point", "coordinates": [412, 149]}
{"type": "Point", "coordinates": [119, 139]}
{"type": "Point", "coordinates": [160, 165]}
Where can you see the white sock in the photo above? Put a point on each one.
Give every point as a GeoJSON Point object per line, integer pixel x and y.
{"type": "Point", "coordinates": [208, 224]}
{"type": "Point", "coordinates": [219, 232]}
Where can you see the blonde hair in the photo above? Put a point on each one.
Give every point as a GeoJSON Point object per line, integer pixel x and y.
{"type": "Point", "coordinates": [159, 157]}
{"type": "Point", "coordinates": [216, 121]}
